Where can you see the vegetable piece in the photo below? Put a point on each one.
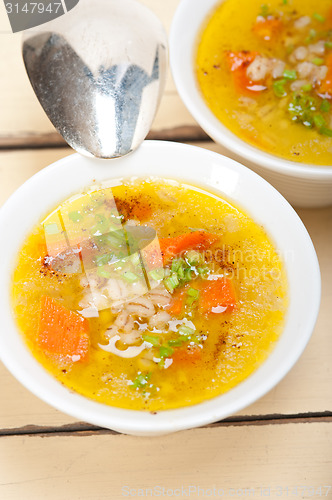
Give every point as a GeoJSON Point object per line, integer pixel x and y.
{"type": "Point", "coordinates": [165, 352]}
{"type": "Point", "coordinates": [197, 240]}
{"type": "Point", "coordinates": [279, 88]}
{"type": "Point", "coordinates": [141, 380]}
{"type": "Point", "coordinates": [238, 63]}
{"type": "Point", "coordinates": [171, 282]}
{"type": "Point", "coordinates": [325, 106]}
{"type": "Point", "coordinates": [290, 74]}
{"type": "Point", "coordinates": [187, 355]}
{"type": "Point", "coordinates": [318, 61]}
{"type": "Point", "coordinates": [215, 295]}
{"type": "Point", "coordinates": [267, 28]}
{"type": "Point", "coordinates": [177, 303]}
{"type": "Point", "coordinates": [318, 17]}
{"type": "Point", "coordinates": [151, 339]}
{"type": "Point", "coordinates": [61, 331]}
{"type": "Point", "coordinates": [326, 86]}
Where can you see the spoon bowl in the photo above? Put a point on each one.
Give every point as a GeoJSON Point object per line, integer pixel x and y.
{"type": "Point", "coordinates": [99, 73]}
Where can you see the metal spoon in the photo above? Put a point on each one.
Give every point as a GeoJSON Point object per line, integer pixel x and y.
{"type": "Point", "coordinates": [99, 73]}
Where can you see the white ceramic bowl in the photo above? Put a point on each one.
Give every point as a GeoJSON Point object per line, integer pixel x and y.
{"type": "Point", "coordinates": [193, 165]}
{"type": "Point", "coordinates": [302, 185]}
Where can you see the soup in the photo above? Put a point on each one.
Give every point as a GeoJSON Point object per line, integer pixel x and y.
{"type": "Point", "coordinates": [149, 294]}
{"type": "Point", "coordinates": [267, 75]}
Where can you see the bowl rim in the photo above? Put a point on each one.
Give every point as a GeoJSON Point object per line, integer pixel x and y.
{"type": "Point", "coordinates": [181, 53]}
{"type": "Point", "coordinates": [33, 376]}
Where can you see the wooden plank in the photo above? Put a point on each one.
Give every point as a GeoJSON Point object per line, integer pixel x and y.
{"type": "Point", "coordinates": [306, 388]}
{"type": "Point", "coordinates": [23, 121]}
{"type": "Point", "coordinates": [292, 461]}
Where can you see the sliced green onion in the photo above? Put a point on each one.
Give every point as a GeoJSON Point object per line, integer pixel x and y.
{"type": "Point", "coordinates": [101, 260]}
{"type": "Point", "coordinates": [151, 339]}
{"type": "Point", "coordinates": [141, 380]}
{"type": "Point", "coordinates": [135, 259]}
{"type": "Point", "coordinates": [175, 342]}
{"type": "Point", "coordinates": [193, 292]}
{"type": "Point", "coordinates": [193, 257]}
{"type": "Point", "coordinates": [176, 264]}
{"type": "Point", "coordinates": [318, 61]}
{"type": "Point", "coordinates": [319, 121]}
{"type": "Point", "coordinates": [180, 273]}
{"type": "Point", "coordinates": [328, 45]}
{"type": "Point", "coordinates": [279, 88]}
{"type": "Point", "coordinates": [165, 352]}
{"type": "Point", "coordinates": [188, 274]}
{"type": "Point", "coordinates": [186, 330]}
{"type": "Point", "coordinates": [307, 87]}
{"type": "Point", "coordinates": [312, 35]}
{"type": "Point", "coordinates": [319, 17]}
{"type": "Point", "coordinates": [75, 216]}
{"type": "Point", "coordinates": [171, 282]}
{"type": "Point", "coordinates": [264, 10]}
{"type": "Point", "coordinates": [157, 274]}
{"type": "Point", "coordinates": [326, 131]}
{"type": "Point", "coordinates": [325, 106]}
{"type": "Point", "coordinates": [202, 270]}
{"type": "Point", "coordinates": [290, 74]}
{"type": "Point", "coordinates": [103, 273]}
{"type": "Point", "coordinates": [130, 277]}
{"type": "Point", "coordinates": [285, 2]}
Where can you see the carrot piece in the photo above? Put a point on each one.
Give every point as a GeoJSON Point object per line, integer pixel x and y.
{"type": "Point", "coordinates": [61, 331]}
{"type": "Point", "coordinates": [197, 240]}
{"type": "Point", "coordinates": [326, 85]}
{"type": "Point", "coordinates": [268, 28]}
{"type": "Point", "coordinates": [216, 294]}
{"type": "Point", "coordinates": [238, 63]}
{"type": "Point", "coordinates": [176, 306]}
{"type": "Point", "coordinates": [187, 355]}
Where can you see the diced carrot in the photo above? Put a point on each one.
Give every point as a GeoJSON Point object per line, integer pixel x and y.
{"type": "Point", "coordinates": [238, 63]}
{"type": "Point", "coordinates": [187, 355]}
{"type": "Point", "coordinates": [197, 240]}
{"type": "Point", "coordinates": [268, 28]}
{"type": "Point", "coordinates": [176, 305]}
{"type": "Point", "coordinates": [62, 332]}
{"type": "Point", "coordinates": [215, 294]}
{"type": "Point", "coordinates": [326, 86]}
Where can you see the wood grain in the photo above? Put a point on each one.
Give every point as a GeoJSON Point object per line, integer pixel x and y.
{"type": "Point", "coordinates": [232, 461]}
{"type": "Point", "coordinates": [307, 388]}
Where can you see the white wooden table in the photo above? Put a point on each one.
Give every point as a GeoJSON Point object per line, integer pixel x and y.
{"type": "Point", "coordinates": [281, 446]}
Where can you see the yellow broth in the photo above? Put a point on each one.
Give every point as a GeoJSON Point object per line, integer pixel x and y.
{"type": "Point", "coordinates": [286, 112]}
{"type": "Point", "coordinates": [232, 343]}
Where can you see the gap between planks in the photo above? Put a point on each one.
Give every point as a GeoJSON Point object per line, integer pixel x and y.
{"type": "Point", "coordinates": [81, 428]}
{"type": "Point", "coordinates": [186, 133]}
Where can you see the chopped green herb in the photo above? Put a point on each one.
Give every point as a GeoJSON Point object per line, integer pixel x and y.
{"type": "Point", "coordinates": [141, 380]}
{"type": "Point", "coordinates": [157, 274]}
{"type": "Point", "coordinates": [151, 339]}
{"type": "Point", "coordinates": [165, 352]}
{"type": "Point", "coordinates": [301, 109]}
{"type": "Point", "coordinates": [279, 88]}
{"type": "Point", "coordinates": [328, 45]}
{"type": "Point", "coordinates": [325, 106]}
{"type": "Point", "coordinates": [192, 292]}
{"type": "Point", "coordinates": [265, 10]}
{"type": "Point", "coordinates": [186, 330]}
{"type": "Point", "coordinates": [285, 2]}
{"type": "Point", "coordinates": [130, 277]}
{"type": "Point", "coordinates": [135, 259]}
{"type": "Point", "coordinates": [319, 121]}
{"type": "Point", "coordinates": [101, 260]}
{"type": "Point", "coordinates": [103, 273]}
{"type": "Point", "coordinates": [307, 87]}
{"type": "Point", "coordinates": [319, 17]}
{"type": "Point", "coordinates": [312, 36]}
{"type": "Point", "coordinates": [203, 270]}
{"type": "Point", "coordinates": [75, 216]}
{"type": "Point", "coordinates": [193, 257]}
{"type": "Point", "coordinates": [318, 61]}
{"type": "Point", "coordinates": [171, 282]}
{"type": "Point", "coordinates": [175, 342]}
{"type": "Point", "coordinates": [290, 74]}
{"type": "Point", "coordinates": [326, 131]}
